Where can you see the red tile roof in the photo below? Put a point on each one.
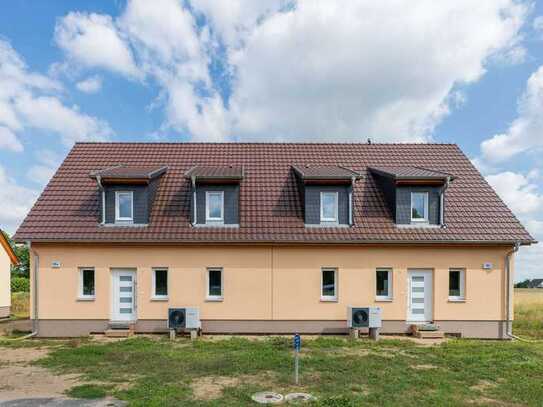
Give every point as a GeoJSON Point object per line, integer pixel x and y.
{"type": "Point", "coordinates": [270, 208]}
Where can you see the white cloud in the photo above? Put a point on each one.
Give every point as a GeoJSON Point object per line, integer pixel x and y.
{"type": "Point", "coordinates": [352, 70]}
{"type": "Point", "coordinates": [9, 141]}
{"type": "Point", "coordinates": [90, 85]}
{"type": "Point", "coordinates": [16, 201]}
{"type": "Point", "coordinates": [47, 162]}
{"type": "Point", "coordinates": [538, 24]}
{"type": "Point", "coordinates": [525, 199]}
{"type": "Point", "coordinates": [93, 40]}
{"type": "Point", "coordinates": [49, 113]}
{"type": "Point", "coordinates": [525, 133]}
{"type": "Point", "coordinates": [304, 70]}
{"type": "Point", "coordinates": [517, 192]}
{"type": "Point", "coordinates": [31, 100]}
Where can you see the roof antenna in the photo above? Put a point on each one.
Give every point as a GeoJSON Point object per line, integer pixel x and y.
{"type": "Point", "coordinates": [369, 140]}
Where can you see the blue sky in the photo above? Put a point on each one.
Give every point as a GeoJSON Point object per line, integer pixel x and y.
{"type": "Point", "coordinates": [275, 70]}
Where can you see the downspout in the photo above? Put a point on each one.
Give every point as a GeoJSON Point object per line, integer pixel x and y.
{"type": "Point", "coordinates": [193, 179]}
{"type": "Point", "coordinates": [508, 296]}
{"type": "Point", "coordinates": [442, 203]}
{"type": "Point", "coordinates": [99, 181]}
{"type": "Point", "coordinates": [351, 202]}
{"type": "Point", "coordinates": [35, 324]}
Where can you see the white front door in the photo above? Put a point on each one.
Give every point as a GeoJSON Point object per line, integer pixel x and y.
{"type": "Point", "coordinates": [123, 301]}
{"type": "Point", "coordinates": [419, 307]}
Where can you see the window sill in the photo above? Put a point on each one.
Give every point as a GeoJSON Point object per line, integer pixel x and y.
{"type": "Point", "coordinates": [328, 299]}
{"type": "Point", "coordinates": [160, 299]}
{"type": "Point", "coordinates": [214, 299]}
{"type": "Point", "coordinates": [383, 299]}
{"type": "Point", "coordinates": [86, 298]}
{"type": "Point", "coordinates": [456, 300]}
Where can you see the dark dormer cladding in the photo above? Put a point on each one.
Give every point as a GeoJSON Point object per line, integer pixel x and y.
{"type": "Point", "coordinates": [415, 195]}
{"type": "Point", "coordinates": [127, 194]}
{"type": "Point", "coordinates": [326, 193]}
{"type": "Point", "coordinates": [215, 194]}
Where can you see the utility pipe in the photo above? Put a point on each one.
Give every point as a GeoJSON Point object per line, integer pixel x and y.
{"type": "Point", "coordinates": [508, 296]}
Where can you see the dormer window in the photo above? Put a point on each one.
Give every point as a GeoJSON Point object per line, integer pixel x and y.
{"type": "Point", "coordinates": [215, 206]}
{"type": "Point", "coordinates": [419, 206]}
{"type": "Point", "coordinates": [329, 207]}
{"type": "Point", "coordinates": [124, 206]}
{"type": "Point", "coordinates": [215, 195]}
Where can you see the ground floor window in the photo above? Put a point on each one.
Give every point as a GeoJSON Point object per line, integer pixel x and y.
{"type": "Point", "coordinates": [86, 283]}
{"type": "Point", "coordinates": [329, 284]}
{"type": "Point", "coordinates": [457, 284]}
{"type": "Point", "coordinates": [215, 284]}
{"type": "Point", "coordinates": [383, 289]}
{"type": "Point", "coordinates": [160, 283]}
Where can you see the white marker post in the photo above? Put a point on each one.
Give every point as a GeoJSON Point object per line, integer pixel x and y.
{"type": "Point", "coordinates": [297, 346]}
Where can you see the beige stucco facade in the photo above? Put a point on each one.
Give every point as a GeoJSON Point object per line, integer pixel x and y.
{"type": "Point", "coordinates": [5, 287]}
{"type": "Point", "coordinates": [270, 288]}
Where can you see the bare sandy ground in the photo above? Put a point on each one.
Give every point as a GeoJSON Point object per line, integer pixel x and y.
{"type": "Point", "coordinates": [18, 379]}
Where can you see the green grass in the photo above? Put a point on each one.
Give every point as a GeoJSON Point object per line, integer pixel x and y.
{"type": "Point", "coordinates": [340, 372]}
{"type": "Point", "coordinates": [88, 391]}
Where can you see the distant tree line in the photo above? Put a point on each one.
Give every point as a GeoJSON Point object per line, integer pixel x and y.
{"type": "Point", "coordinates": [528, 283]}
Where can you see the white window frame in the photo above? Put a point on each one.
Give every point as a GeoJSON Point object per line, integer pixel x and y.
{"type": "Point", "coordinates": [462, 296]}
{"type": "Point", "coordinates": [209, 218]}
{"type": "Point", "coordinates": [329, 298]}
{"type": "Point", "coordinates": [210, 297]}
{"type": "Point", "coordinates": [425, 219]}
{"type": "Point", "coordinates": [118, 217]}
{"type": "Point", "coordinates": [154, 295]}
{"type": "Point", "coordinates": [80, 294]}
{"type": "Point", "coordinates": [390, 284]}
{"type": "Point", "coordinates": [336, 215]}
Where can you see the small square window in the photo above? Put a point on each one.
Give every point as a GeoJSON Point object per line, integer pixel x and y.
{"type": "Point", "coordinates": [328, 284]}
{"type": "Point", "coordinates": [383, 289]}
{"type": "Point", "coordinates": [86, 283]}
{"type": "Point", "coordinates": [419, 206]}
{"type": "Point", "coordinates": [329, 206]}
{"type": "Point", "coordinates": [215, 206]}
{"type": "Point", "coordinates": [124, 206]}
{"type": "Point", "coordinates": [215, 284]}
{"type": "Point", "coordinates": [160, 283]}
{"type": "Point", "coordinates": [457, 279]}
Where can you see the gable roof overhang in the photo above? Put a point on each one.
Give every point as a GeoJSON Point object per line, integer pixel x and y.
{"type": "Point", "coordinates": [410, 175]}
{"type": "Point", "coordinates": [9, 250]}
{"type": "Point", "coordinates": [215, 174]}
{"type": "Point", "coordinates": [325, 174]}
{"type": "Point", "coordinates": [123, 174]}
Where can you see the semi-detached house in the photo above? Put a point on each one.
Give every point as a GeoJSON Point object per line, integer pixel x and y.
{"type": "Point", "coordinates": [270, 238]}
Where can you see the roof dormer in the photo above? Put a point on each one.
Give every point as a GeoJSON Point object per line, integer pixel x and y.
{"type": "Point", "coordinates": [215, 195]}
{"type": "Point", "coordinates": [127, 194]}
{"type": "Point", "coordinates": [326, 194]}
{"type": "Point", "coordinates": [415, 195]}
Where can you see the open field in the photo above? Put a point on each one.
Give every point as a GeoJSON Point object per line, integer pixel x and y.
{"type": "Point", "coordinates": [528, 313]}
{"type": "Point", "coordinates": [340, 372]}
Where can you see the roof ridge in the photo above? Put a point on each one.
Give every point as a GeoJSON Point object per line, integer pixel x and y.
{"type": "Point", "coordinates": [261, 143]}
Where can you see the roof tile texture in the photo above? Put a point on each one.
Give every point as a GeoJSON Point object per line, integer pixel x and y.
{"type": "Point", "coordinates": [270, 208]}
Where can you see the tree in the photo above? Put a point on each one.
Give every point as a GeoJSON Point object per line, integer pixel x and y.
{"type": "Point", "coordinates": [523, 284]}
{"type": "Point", "coordinates": [23, 268]}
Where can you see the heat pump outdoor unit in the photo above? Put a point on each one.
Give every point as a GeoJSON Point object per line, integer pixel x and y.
{"type": "Point", "coordinates": [184, 318]}
{"type": "Point", "coordinates": [364, 317]}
